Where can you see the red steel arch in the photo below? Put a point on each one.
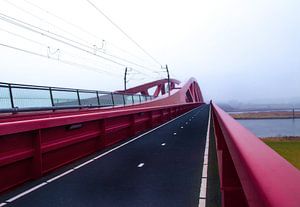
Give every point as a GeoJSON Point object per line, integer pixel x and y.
{"type": "Point", "coordinates": [185, 93]}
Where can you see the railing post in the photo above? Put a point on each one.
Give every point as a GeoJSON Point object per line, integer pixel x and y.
{"type": "Point", "coordinates": [132, 99]}
{"type": "Point", "coordinates": [11, 97]}
{"type": "Point", "coordinates": [98, 98]}
{"type": "Point", "coordinates": [79, 102]}
{"type": "Point", "coordinates": [51, 97]}
{"type": "Point", "coordinates": [140, 98]}
{"type": "Point", "coordinates": [112, 98]}
{"type": "Point", "coordinates": [124, 100]}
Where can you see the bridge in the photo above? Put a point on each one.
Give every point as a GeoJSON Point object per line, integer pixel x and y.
{"type": "Point", "coordinates": [72, 147]}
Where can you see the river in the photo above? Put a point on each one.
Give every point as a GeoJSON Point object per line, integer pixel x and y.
{"type": "Point", "coordinates": [272, 127]}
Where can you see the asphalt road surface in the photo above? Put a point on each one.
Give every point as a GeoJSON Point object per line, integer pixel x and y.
{"type": "Point", "coordinates": [160, 168]}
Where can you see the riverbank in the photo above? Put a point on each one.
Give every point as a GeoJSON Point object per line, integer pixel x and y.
{"type": "Point", "coordinates": [287, 147]}
{"type": "Point", "coordinates": [266, 115]}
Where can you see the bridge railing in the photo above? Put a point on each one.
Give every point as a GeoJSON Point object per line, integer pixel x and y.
{"type": "Point", "coordinates": [251, 173]}
{"type": "Point", "coordinates": [18, 97]}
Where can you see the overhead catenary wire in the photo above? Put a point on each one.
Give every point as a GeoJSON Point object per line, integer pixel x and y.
{"type": "Point", "coordinates": [122, 31]}
{"type": "Point", "coordinates": [44, 32]}
{"type": "Point", "coordinates": [84, 45]}
{"type": "Point", "coordinates": [47, 46]}
{"type": "Point", "coordinates": [58, 38]}
{"type": "Point", "coordinates": [63, 61]}
{"type": "Point", "coordinates": [43, 20]}
{"type": "Point", "coordinates": [82, 29]}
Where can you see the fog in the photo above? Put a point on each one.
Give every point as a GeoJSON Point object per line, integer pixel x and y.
{"type": "Point", "coordinates": [237, 50]}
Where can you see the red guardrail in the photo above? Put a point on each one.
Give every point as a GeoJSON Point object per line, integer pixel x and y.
{"type": "Point", "coordinates": [33, 146]}
{"type": "Point", "coordinates": [251, 173]}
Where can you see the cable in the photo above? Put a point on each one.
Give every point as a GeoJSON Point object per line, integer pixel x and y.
{"type": "Point", "coordinates": [81, 29]}
{"type": "Point", "coordinates": [63, 61]}
{"type": "Point", "coordinates": [44, 33]}
{"type": "Point", "coordinates": [47, 46]}
{"type": "Point", "coordinates": [29, 13]}
{"type": "Point", "coordinates": [122, 31]}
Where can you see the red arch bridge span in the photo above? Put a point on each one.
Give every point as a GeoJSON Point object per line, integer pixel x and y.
{"type": "Point", "coordinates": [156, 144]}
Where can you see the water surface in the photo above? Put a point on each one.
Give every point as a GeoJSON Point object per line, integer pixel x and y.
{"type": "Point", "coordinates": [272, 127]}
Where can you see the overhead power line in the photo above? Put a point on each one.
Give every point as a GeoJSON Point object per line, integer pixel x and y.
{"type": "Point", "coordinates": [122, 31]}
{"type": "Point", "coordinates": [82, 30]}
{"type": "Point", "coordinates": [47, 46]}
{"type": "Point", "coordinates": [68, 39]}
{"type": "Point", "coordinates": [43, 20]}
{"type": "Point", "coordinates": [63, 61]}
{"type": "Point", "coordinates": [59, 38]}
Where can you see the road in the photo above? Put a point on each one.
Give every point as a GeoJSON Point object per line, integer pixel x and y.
{"type": "Point", "coordinates": [160, 168]}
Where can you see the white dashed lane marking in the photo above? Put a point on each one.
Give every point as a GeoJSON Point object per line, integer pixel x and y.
{"type": "Point", "coordinates": [141, 164]}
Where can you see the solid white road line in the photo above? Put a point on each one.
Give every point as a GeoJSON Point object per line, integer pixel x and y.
{"type": "Point", "coordinates": [89, 161]}
{"type": "Point", "coordinates": [60, 175]}
{"type": "Point", "coordinates": [26, 192]}
{"type": "Point", "coordinates": [202, 196]}
{"type": "Point", "coordinates": [2, 204]}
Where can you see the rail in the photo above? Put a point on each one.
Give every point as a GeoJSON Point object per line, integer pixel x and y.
{"type": "Point", "coordinates": [251, 173]}
{"type": "Point", "coordinates": [19, 98]}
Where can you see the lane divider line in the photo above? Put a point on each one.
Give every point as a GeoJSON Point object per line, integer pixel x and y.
{"type": "Point", "coordinates": [89, 161]}
{"type": "Point", "coordinates": [203, 187]}
{"type": "Point", "coordinates": [26, 192]}
{"type": "Point", "coordinates": [141, 164]}
{"type": "Point", "coordinates": [59, 176]}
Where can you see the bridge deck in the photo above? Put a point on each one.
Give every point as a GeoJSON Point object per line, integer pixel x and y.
{"type": "Point", "coordinates": [160, 168]}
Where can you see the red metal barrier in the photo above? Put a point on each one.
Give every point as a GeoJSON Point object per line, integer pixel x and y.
{"type": "Point", "coordinates": [251, 173]}
{"type": "Point", "coordinates": [31, 147]}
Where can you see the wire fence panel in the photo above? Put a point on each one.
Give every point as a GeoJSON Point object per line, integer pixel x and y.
{"type": "Point", "coordinates": [65, 98]}
{"type": "Point", "coordinates": [5, 102]}
{"type": "Point", "coordinates": [30, 97]}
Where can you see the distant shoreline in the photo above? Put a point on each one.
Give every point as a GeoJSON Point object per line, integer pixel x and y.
{"type": "Point", "coordinates": [280, 139]}
{"type": "Point", "coordinates": [265, 115]}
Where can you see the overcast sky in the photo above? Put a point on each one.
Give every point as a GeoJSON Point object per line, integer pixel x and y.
{"type": "Point", "coordinates": [237, 50]}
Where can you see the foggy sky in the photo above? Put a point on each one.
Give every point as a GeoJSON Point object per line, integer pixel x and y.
{"type": "Point", "coordinates": [237, 50]}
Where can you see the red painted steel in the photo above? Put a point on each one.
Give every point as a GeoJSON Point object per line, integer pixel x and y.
{"type": "Point", "coordinates": [32, 144]}
{"type": "Point", "coordinates": [251, 173]}
{"type": "Point", "coordinates": [159, 84]}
